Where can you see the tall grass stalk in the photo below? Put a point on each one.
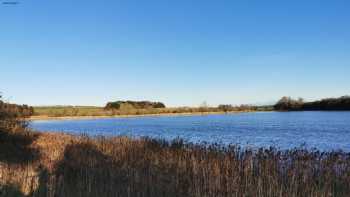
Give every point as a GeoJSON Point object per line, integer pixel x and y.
{"type": "Point", "coordinates": [122, 166]}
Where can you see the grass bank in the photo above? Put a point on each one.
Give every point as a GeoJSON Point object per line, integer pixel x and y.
{"type": "Point", "coordinates": [48, 164]}
{"type": "Point", "coordinates": [81, 112]}
{"type": "Point", "coordinates": [45, 117]}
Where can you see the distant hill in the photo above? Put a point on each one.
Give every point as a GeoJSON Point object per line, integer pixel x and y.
{"type": "Point", "coordinates": [119, 105]}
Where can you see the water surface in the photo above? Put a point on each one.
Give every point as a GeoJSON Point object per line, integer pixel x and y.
{"type": "Point", "coordinates": [322, 130]}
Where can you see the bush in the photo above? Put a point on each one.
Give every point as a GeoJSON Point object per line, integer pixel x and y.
{"type": "Point", "coordinates": [15, 140]}
{"type": "Point", "coordinates": [133, 104]}
{"type": "Point", "coordinates": [12, 116]}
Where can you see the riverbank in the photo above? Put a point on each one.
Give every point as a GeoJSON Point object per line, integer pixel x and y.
{"type": "Point", "coordinates": [54, 164]}
{"type": "Point", "coordinates": [45, 117]}
{"type": "Point", "coordinates": [88, 112]}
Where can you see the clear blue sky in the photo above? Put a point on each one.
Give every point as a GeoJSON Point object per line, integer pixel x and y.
{"type": "Point", "coordinates": [180, 52]}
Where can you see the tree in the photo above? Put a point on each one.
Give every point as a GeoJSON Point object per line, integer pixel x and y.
{"type": "Point", "coordinates": [119, 105]}
{"type": "Point", "coordinates": [12, 117]}
{"type": "Point", "coordinates": [287, 103]}
{"type": "Point", "coordinates": [225, 108]}
{"type": "Point", "coordinates": [203, 107]}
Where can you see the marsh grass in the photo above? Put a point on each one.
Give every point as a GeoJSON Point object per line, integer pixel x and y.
{"type": "Point", "coordinates": [122, 166]}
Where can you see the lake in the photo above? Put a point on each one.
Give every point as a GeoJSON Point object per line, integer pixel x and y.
{"type": "Point", "coordinates": [321, 130]}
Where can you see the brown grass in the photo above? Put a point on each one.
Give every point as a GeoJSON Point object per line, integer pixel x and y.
{"type": "Point", "coordinates": [83, 167]}
{"type": "Point", "coordinates": [71, 111]}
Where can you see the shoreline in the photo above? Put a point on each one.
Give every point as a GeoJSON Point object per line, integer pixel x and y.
{"type": "Point", "coordinates": [43, 117]}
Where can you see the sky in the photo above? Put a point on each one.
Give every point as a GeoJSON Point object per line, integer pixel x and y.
{"type": "Point", "coordinates": [179, 52]}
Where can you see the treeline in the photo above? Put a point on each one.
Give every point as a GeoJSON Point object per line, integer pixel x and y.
{"type": "Point", "coordinates": [329, 104]}
{"type": "Point", "coordinates": [228, 108]}
{"type": "Point", "coordinates": [118, 105]}
{"type": "Point", "coordinates": [127, 105]}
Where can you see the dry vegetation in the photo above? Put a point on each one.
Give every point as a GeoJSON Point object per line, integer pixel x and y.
{"type": "Point", "coordinates": [57, 111]}
{"type": "Point", "coordinates": [72, 111]}
{"type": "Point", "coordinates": [63, 165]}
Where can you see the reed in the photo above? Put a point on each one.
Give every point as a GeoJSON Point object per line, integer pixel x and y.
{"type": "Point", "coordinates": [81, 166]}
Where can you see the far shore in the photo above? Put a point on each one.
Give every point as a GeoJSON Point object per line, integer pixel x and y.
{"type": "Point", "coordinates": [44, 117]}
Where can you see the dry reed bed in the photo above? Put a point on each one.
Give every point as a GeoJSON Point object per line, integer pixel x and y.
{"type": "Point", "coordinates": [83, 167]}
